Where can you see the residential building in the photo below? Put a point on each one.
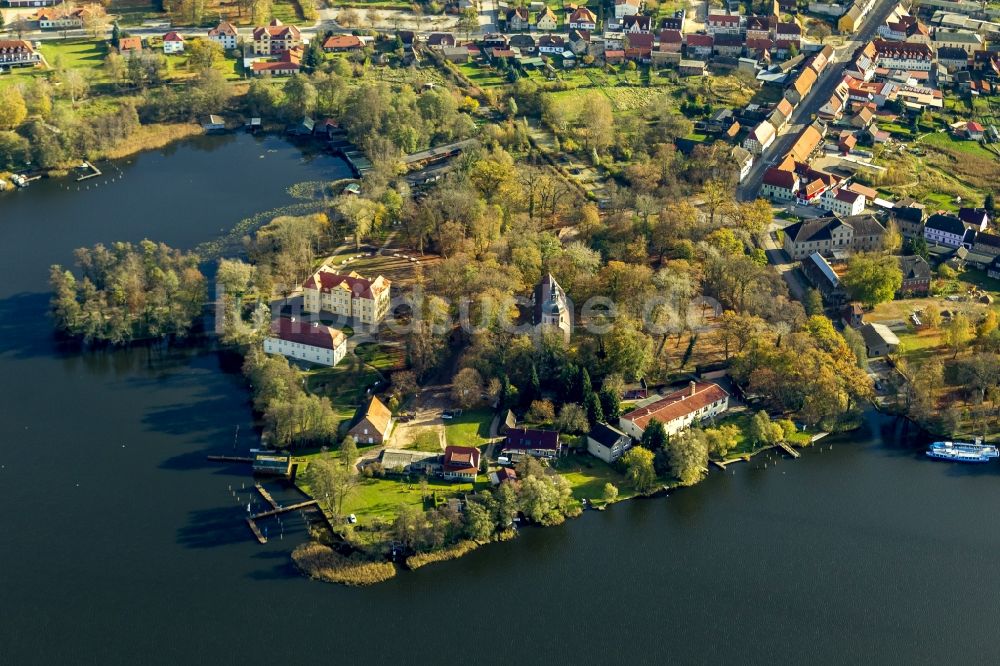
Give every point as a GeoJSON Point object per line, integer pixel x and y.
{"type": "Point", "coordinates": [552, 308]}
{"type": "Point", "coordinates": [974, 218]}
{"type": "Point", "coordinates": [729, 46]}
{"type": "Point", "coordinates": [530, 442]}
{"type": "Point", "coordinates": [373, 428]}
{"type": "Point", "coordinates": [993, 270]}
{"type": "Point", "coordinates": [583, 19]}
{"type": "Point", "coordinates": [436, 41]}
{"type": "Point", "coordinates": [518, 19]}
{"type": "Point", "coordinates": [32, 3]}
{"type": "Point", "coordinates": [286, 64]}
{"type": "Point", "coordinates": [551, 44]}
{"type": "Point", "coordinates": [956, 60]}
{"type": "Point", "coordinates": [637, 24]}
{"type": "Point", "coordinates": [304, 341]}
{"type": "Point", "coordinates": [460, 463]}
{"type": "Point", "coordinates": [986, 244]}
{"type": "Point", "coordinates": [788, 32]}
{"type": "Point", "coordinates": [695, 403]}
{"type": "Point", "coordinates": [275, 38]}
{"type": "Point", "coordinates": [916, 276]}
{"type": "Point", "coordinates": [879, 340]}
{"type": "Point", "coordinates": [779, 185]}
{"type": "Point", "coordinates": [724, 24]}
{"type": "Point", "coordinates": [944, 229]}
{"type": "Point", "coordinates": [904, 56]}
{"type": "Point", "coordinates": [760, 138]}
{"type": "Point", "coordinates": [846, 142]}
{"type": "Point", "coordinates": [691, 68]}
{"type": "Point", "coordinates": [225, 34]}
{"type": "Point", "coordinates": [638, 46]}
{"type": "Point", "coordinates": [365, 301]}
{"type": "Point", "coordinates": [974, 131]}
{"type": "Point", "coordinates": [843, 202]}
{"type": "Point", "coordinates": [758, 27]}
{"type": "Point", "coordinates": [547, 20]}
{"type": "Point", "coordinates": [807, 141]}
{"type": "Point", "coordinates": [699, 46]}
{"type": "Point", "coordinates": [909, 218]}
{"type": "Point", "coordinates": [858, 233]}
{"type": "Point", "coordinates": [607, 442]}
{"type": "Point", "coordinates": [801, 86]}
{"type": "Point", "coordinates": [17, 53]}
{"type": "Point", "coordinates": [173, 42]}
{"type": "Point", "coordinates": [781, 113]}
{"type": "Point", "coordinates": [63, 18]}
{"type": "Point", "coordinates": [527, 45]}
{"type": "Point", "coordinates": [625, 8]}
{"type": "Point", "coordinates": [502, 475]}
{"type": "Point", "coordinates": [670, 41]}
{"type": "Point", "coordinates": [342, 44]}
{"type": "Point", "coordinates": [743, 159]}
{"type": "Point", "coordinates": [130, 46]}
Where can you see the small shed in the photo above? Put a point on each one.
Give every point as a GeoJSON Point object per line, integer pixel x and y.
{"type": "Point", "coordinates": [213, 123]}
{"type": "Point", "coordinates": [271, 463]}
{"type": "Point", "coordinates": [879, 340]}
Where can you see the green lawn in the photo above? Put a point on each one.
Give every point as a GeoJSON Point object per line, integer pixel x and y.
{"type": "Point", "coordinates": [745, 446]}
{"type": "Point", "coordinates": [946, 141]}
{"type": "Point", "coordinates": [587, 476]}
{"type": "Point", "coordinates": [428, 440]}
{"type": "Point", "coordinates": [344, 386]}
{"type": "Point", "coordinates": [77, 54]}
{"type": "Point", "coordinates": [382, 358]}
{"type": "Point", "coordinates": [472, 428]}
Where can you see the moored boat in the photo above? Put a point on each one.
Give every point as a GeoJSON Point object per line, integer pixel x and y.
{"type": "Point", "coordinates": [959, 453]}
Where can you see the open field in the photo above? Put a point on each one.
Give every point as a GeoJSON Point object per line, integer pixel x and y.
{"type": "Point", "coordinates": [745, 446]}
{"type": "Point", "coordinates": [587, 475]}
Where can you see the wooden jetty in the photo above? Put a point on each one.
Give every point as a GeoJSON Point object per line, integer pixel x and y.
{"type": "Point", "coordinates": [284, 509]}
{"type": "Point", "coordinates": [94, 172]}
{"type": "Point", "coordinates": [788, 449]}
{"type": "Point", "coordinates": [230, 459]}
{"type": "Point", "coordinates": [720, 464]}
{"type": "Point", "coordinates": [256, 531]}
{"type": "Point", "coordinates": [266, 495]}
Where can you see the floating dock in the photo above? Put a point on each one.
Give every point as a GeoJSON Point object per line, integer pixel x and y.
{"type": "Point", "coordinates": [94, 172]}
{"type": "Point", "coordinates": [788, 449]}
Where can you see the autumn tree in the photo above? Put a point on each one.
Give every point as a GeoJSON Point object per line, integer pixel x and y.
{"type": "Point", "coordinates": [467, 388]}
{"type": "Point", "coordinates": [872, 279]}
{"type": "Point", "coordinates": [687, 456]}
{"type": "Point", "coordinates": [638, 462]}
{"type": "Point", "coordinates": [13, 109]}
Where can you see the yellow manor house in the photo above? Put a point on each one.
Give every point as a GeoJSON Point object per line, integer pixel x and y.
{"type": "Point", "coordinates": [351, 295]}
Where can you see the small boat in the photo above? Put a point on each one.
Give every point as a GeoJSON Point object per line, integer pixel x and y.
{"type": "Point", "coordinates": [19, 180]}
{"type": "Point", "coordinates": [949, 451]}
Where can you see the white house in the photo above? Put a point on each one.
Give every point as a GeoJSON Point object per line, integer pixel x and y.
{"type": "Point", "coordinates": [225, 34]}
{"type": "Point", "coordinates": [625, 8]}
{"type": "Point", "coordinates": [607, 442]}
{"type": "Point", "coordinates": [300, 340]}
{"type": "Point", "coordinates": [677, 411]}
{"type": "Point", "coordinates": [779, 185]}
{"type": "Point", "coordinates": [843, 202]}
{"type": "Point", "coordinates": [942, 229]}
{"type": "Point", "coordinates": [173, 42]}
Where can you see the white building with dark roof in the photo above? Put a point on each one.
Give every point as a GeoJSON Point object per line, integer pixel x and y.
{"type": "Point", "coordinates": [304, 341]}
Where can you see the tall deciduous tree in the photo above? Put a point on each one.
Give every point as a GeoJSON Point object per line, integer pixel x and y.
{"type": "Point", "coordinates": [872, 279]}
{"type": "Point", "coordinates": [639, 468]}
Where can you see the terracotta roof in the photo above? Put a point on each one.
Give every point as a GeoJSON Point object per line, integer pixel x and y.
{"type": "Point", "coordinates": [726, 19]}
{"type": "Point", "coordinates": [173, 37]}
{"type": "Point", "coordinates": [276, 29]}
{"type": "Point", "coordinates": [461, 459]}
{"type": "Point", "coordinates": [342, 42]}
{"type": "Point", "coordinates": [805, 144]}
{"type": "Point", "coordinates": [863, 190]}
{"type": "Point", "coordinates": [678, 404]}
{"type": "Point", "coordinates": [14, 45]}
{"type": "Point", "coordinates": [788, 29]}
{"type": "Point", "coordinates": [671, 36]}
{"type": "Point", "coordinates": [313, 335]}
{"type": "Point", "coordinates": [326, 280]}
{"type": "Point", "coordinates": [583, 15]}
{"type": "Point", "coordinates": [804, 82]}
{"type": "Point", "coordinates": [780, 178]}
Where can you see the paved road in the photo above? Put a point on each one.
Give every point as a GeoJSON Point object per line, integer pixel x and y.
{"type": "Point", "coordinates": [818, 96]}
{"type": "Point", "coordinates": [783, 264]}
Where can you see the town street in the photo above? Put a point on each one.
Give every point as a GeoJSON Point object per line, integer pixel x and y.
{"type": "Point", "coordinates": [815, 99]}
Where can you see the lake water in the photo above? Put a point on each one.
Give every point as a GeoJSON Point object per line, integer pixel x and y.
{"type": "Point", "coordinates": [119, 543]}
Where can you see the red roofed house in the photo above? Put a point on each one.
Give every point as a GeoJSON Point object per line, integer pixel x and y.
{"type": "Point", "coordinates": [342, 44]}
{"type": "Point", "coordinates": [637, 23]}
{"type": "Point", "coordinates": [779, 185]}
{"type": "Point", "coordinates": [638, 47]}
{"type": "Point", "coordinates": [699, 45]}
{"type": "Point", "coordinates": [974, 131]}
{"type": "Point", "coordinates": [287, 64]}
{"type": "Point", "coordinates": [301, 340]}
{"type": "Point", "coordinates": [173, 42]}
{"type": "Point", "coordinates": [529, 442]}
{"type": "Point", "coordinates": [677, 411]}
{"type": "Point", "coordinates": [583, 19]}
{"type": "Point", "coordinates": [461, 463]}
{"type": "Point", "coordinates": [348, 295]}
{"type": "Point", "coordinates": [129, 46]}
{"type": "Point", "coordinates": [17, 53]}
{"type": "Point", "coordinates": [275, 38]}
{"type": "Point", "coordinates": [671, 40]}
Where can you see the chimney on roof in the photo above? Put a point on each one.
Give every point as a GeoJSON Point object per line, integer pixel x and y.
{"type": "Point", "coordinates": [694, 388]}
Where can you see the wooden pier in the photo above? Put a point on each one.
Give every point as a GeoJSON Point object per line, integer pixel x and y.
{"type": "Point", "coordinates": [285, 509]}
{"type": "Point", "coordinates": [94, 172]}
{"type": "Point", "coordinates": [256, 531]}
{"type": "Point", "coordinates": [266, 495]}
{"type": "Point", "coordinates": [720, 464]}
{"type": "Point", "coordinates": [230, 459]}
{"type": "Point", "coordinates": [788, 449]}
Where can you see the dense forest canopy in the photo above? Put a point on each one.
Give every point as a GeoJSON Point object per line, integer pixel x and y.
{"type": "Point", "coordinates": [127, 292]}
